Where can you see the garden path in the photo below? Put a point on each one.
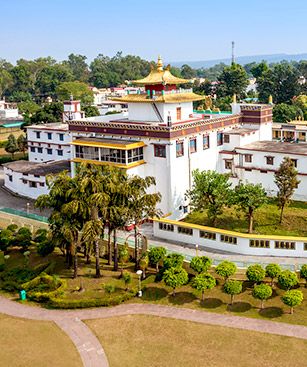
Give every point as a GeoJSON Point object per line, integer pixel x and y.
{"type": "Point", "coordinates": [91, 351]}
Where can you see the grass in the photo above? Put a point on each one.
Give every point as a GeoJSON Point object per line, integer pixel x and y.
{"type": "Point", "coordinates": [138, 340]}
{"type": "Point", "coordinates": [266, 220]}
{"type": "Point", "coordinates": [35, 343]}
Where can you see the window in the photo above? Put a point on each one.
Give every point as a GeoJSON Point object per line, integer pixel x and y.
{"type": "Point", "coordinates": [269, 160]}
{"type": "Point", "coordinates": [263, 171]}
{"type": "Point", "coordinates": [32, 149]}
{"type": "Point", "coordinates": [294, 162]}
{"type": "Point", "coordinates": [37, 176]}
{"type": "Point", "coordinates": [10, 178]}
{"type": "Point", "coordinates": [206, 142]}
{"type": "Point", "coordinates": [179, 149]}
{"type": "Point", "coordinates": [248, 158]}
{"type": "Point", "coordinates": [178, 113]}
{"type": "Point", "coordinates": [61, 137]}
{"type": "Point", "coordinates": [49, 136]}
{"type": "Point", "coordinates": [41, 184]}
{"type": "Point", "coordinates": [208, 235]}
{"type": "Point", "coordinates": [259, 243]}
{"type": "Point", "coordinates": [184, 230]}
{"type": "Point", "coordinates": [166, 227]}
{"type": "Point", "coordinates": [160, 150]}
{"type": "Point", "coordinates": [49, 151]}
{"type": "Point", "coordinates": [134, 155]}
{"type": "Point", "coordinates": [60, 152]}
{"type": "Point", "coordinates": [39, 150]}
{"type": "Point", "coordinates": [248, 169]}
{"type": "Point", "coordinates": [305, 246]}
{"type": "Point", "coordinates": [219, 138]}
{"type": "Point", "coordinates": [32, 184]}
{"type": "Point", "coordinates": [193, 145]}
{"type": "Point", "coordinates": [285, 245]}
{"type": "Point", "coordinates": [228, 163]}
{"type": "Point", "coordinates": [226, 138]}
{"type": "Point", "coordinates": [229, 239]}
{"type": "Point", "coordinates": [38, 134]}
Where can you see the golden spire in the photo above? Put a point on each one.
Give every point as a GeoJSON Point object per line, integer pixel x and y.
{"type": "Point", "coordinates": [160, 64]}
{"type": "Point", "coordinates": [234, 98]}
{"type": "Point", "coordinates": [270, 99]}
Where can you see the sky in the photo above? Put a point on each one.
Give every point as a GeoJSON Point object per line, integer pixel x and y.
{"type": "Point", "coordinates": [178, 30]}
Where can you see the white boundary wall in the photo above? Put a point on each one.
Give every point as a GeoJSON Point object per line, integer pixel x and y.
{"type": "Point", "coordinates": [233, 242]}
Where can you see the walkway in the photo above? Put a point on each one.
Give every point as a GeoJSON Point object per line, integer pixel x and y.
{"type": "Point", "coordinates": [91, 351]}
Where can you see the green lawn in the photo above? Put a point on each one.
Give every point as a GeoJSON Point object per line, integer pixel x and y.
{"type": "Point", "coordinates": [35, 343]}
{"type": "Point", "coordinates": [266, 220]}
{"type": "Point", "coordinates": [139, 340]}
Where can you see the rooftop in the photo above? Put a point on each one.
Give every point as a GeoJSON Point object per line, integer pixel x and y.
{"type": "Point", "coordinates": [41, 169]}
{"type": "Point", "coordinates": [160, 75]}
{"type": "Point", "coordinates": [240, 131]}
{"type": "Point", "coordinates": [276, 147]}
{"type": "Point", "coordinates": [50, 126]}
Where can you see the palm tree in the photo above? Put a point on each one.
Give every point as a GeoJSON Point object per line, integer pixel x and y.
{"type": "Point", "coordinates": [141, 205]}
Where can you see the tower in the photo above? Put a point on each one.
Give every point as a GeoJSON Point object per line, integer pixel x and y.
{"type": "Point", "coordinates": [72, 110]}
{"type": "Point", "coordinates": [232, 52]}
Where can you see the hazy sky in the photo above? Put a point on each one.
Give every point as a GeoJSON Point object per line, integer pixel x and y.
{"type": "Point", "coordinates": [176, 29]}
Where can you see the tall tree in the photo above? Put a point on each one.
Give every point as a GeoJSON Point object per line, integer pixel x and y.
{"type": "Point", "coordinates": [77, 89]}
{"type": "Point", "coordinates": [22, 143]}
{"type": "Point", "coordinates": [249, 197]}
{"type": "Point", "coordinates": [286, 181]}
{"type": "Point", "coordinates": [11, 145]}
{"type": "Point", "coordinates": [284, 112]}
{"type": "Point", "coordinates": [78, 67]}
{"type": "Point", "coordinates": [259, 69]}
{"type": "Point", "coordinates": [210, 190]}
{"type": "Point", "coordinates": [233, 80]}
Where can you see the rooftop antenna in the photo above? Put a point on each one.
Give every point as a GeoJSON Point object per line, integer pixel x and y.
{"type": "Point", "coordinates": [232, 52]}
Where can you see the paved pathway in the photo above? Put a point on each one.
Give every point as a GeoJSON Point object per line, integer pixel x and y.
{"type": "Point", "coordinates": [91, 351]}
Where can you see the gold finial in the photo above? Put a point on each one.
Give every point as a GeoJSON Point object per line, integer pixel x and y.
{"type": "Point", "coordinates": [270, 99]}
{"type": "Point", "coordinates": [234, 98]}
{"type": "Point", "coordinates": [160, 64]}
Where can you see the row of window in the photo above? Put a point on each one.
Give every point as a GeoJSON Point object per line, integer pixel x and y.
{"type": "Point", "coordinates": [193, 144]}
{"type": "Point", "coordinates": [229, 239]}
{"type": "Point", "coordinates": [259, 243]}
{"type": "Point", "coordinates": [166, 227]}
{"type": "Point", "coordinates": [49, 150]}
{"type": "Point", "coordinates": [49, 135]}
{"type": "Point", "coordinates": [269, 159]}
{"type": "Point", "coordinates": [208, 235]}
{"type": "Point", "coordinates": [285, 245]}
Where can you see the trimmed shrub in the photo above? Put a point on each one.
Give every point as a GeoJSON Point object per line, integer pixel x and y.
{"type": "Point", "coordinates": [262, 292]}
{"type": "Point", "coordinates": [255, 273]}
{"type": "Point", "coordinates": [232, 287]}
{"type": "Point", "coordinates": [292, 298]}
{"type": "Point", "coordinates": [200, 264]}
{"type": "Point", "coordinates": [287, 279]}
{"type": "Point", "coordinates": [226, 269]}
{"type": "Point", "coordinates": [272, 271]}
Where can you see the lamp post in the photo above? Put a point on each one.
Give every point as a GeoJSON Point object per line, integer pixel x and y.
{"type": "Point", "coordinates": [139, 273]}
{"type": "Point", "coordinates": [196, 248]}
{"type": "Point", "coordinates": [28, 208]}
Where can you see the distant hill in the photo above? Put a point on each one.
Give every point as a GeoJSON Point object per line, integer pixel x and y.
{"type": "Point", "coordinates": [242, 60]}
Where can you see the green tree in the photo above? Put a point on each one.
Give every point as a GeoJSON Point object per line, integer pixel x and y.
{"type": "Point", "coordinates": [259, 69]}
{"type": "Point", "coordinates": [203, 282]}
{"type": "Point", "coordinates": [262, 292]}
{"type": "Point", "coordinates": [187, 72]}
{"type": "Point", "coordinates": [286, 182]}
{"type": "Point", "coordinates": [127, 279]}
{"type": "Point", "coordinates": [51, 112]}
{"type": "Point", "coordinates": [90, 111]}
{"type": "Point", "coordinates": [284, 112]}
{"type": "Point", "coordinates": [23, 238]}
{"type": "Point", "coordinates": [78, 90]}
{"type": "Point", "coordinates": [255, 273]}
{"type": "Point", "coordinates": [272, 271]}
{"type": "Point", "coordinates": [200, 264]}
{"type": "Point", "coordinates": [173, 261]}
{"type": "Point", "coordinates": [123, 256]}
{"type": "Point", "coordinates": [226, 269]}
{"type": "Point", "coordinates": [175, 277]}
{"type": "Point", "coordinates": [156, 256]}
{"type": "Point", "coordinates": [141, 204]}
{"type": "Point", "coordinates": [22, 143]}
{"type": "Point", "coordinates": [78, 67]}
{"type": "Point", "coordinates": [281, 81]}
{"type": "Point", "coordinates": [303, 272]}
{"type": "Point", "coordinates": [233, 80]}
{"type": "Point", "coordinates": [249, 197]}
{"type": "Point", "coordinates": [143, 264]}
{"type": "Point", "coordinates": [6, 239]}
{"type": "Point", "coordinates": [232, 287]}
{"type": "Point", "coordinates": [301, 103]}
{"type": "Point", "coordinates": [210, 190]}
{"type": "Point", "coordinates": [287, 279]}
{"type": "Point", "coordinates": [11, 145]}
{"type": "Point", "coordinates": [6, 81]}
{"type": "Point", "coordinates": [292, 299]}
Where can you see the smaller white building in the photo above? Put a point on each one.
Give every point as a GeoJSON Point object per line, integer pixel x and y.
{"type": "Point", "coordinates": [29, 178]}
{"type": "Point", "coordinates": [48, 142]}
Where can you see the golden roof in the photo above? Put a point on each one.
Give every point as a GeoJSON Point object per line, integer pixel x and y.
{"type": "Point", "coordinates": [159, 75]}
{"type": "Point", "coordinates": [161, 98]}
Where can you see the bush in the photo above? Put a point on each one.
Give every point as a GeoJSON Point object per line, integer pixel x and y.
{"type": "Point", "coordinates": [156, 256]}
{"type": "Point", "coordinates": [272, 271]}
{"type": "Point", "coordinates": [175, 277]}
{"type": "Point", "coordinates": [262, 292]}
{"type": "Point", "coordinates": [109, 288]}
{"type": "Point", "coordinates": [173, 261]}
{"type": "Point", "coordinates": [45, 248]}
{"type": "Point", "coordinates": [287, 279]}
{"type": "Point", "coordinates": [303, 272]}
{"type": "Point", "coordinates": [6, 239]}
{"type": "Point", "coordinates": [23, 238]}
{"type": "Point", "coordinates": [200, 264]}
{"type": "Point", "coordinates": [255, 273]}
{"type": "Point", "coordinates": [232, 287]}
{"type": "Point", "coordinates": [202, 282]}
{"type": "Point", "coordinates": [226, 269]}
{"type": "Point", "coordinates": [292, 298]}
{"type": "Point", "coordinates": [12, 227]}
{"type": "Point", "coordinates": [127, 278]}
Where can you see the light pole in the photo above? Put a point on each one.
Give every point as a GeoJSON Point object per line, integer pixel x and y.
{"type": "Point", "coordinates": [28, 208]}
{"type": "Point", "coordinates": [139, 273]}
{"type": "Point", "coordinates": [196, 247]}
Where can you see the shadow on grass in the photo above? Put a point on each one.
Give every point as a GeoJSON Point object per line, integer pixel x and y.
{"type": "Point", "coordinates": [181, 298]}
{"type": "Point", "coordinates": [239, 307]}
{"type": "Point", "coordinates": [211, 303]}
{"type": "Point", "coordinates": [154, 293]}
{"type": "Point", "coordinates": [271, 312]}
